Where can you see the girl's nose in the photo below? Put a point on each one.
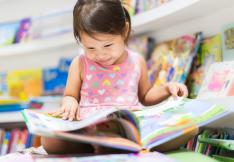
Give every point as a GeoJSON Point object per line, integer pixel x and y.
{"type": "Point", "coordinates": [101, 56]}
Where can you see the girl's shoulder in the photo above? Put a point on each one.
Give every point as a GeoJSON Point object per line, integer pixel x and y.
{"type": "Point", "coordinates": [135, 56]}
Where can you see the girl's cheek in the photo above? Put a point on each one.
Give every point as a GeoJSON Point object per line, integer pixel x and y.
{"type": "Point", "coordinates": [90, 56]}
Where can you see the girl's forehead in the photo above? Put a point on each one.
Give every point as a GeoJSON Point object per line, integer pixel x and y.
{"type": "Point", "coordinates": [98, 37]}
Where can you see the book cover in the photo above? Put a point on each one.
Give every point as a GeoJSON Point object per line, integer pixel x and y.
{"type": "Point", "coordinates": [8, 33]}
{"type": "Point", "coordinates": [22, 34]}
{"type": "Point", "coordinates": [219, 81]}
{"type": "Point", "coordinates": [3, 84]}
{"type": "Point", "coordinates": [51, 82]}
{"type": "Point", "coordinates": [210, 51]}
{"type": "Point", "coordinates": [51, 24]}
{"type": "Point", "coordinates": [228, 42]}
{"type": "Point", "coordinates": [130, 5]}
{"type": "Point", "coordinates": [132, 131]}
{"type": "Point", "coordinates": [143, 45]}
{"type": "Point", "coordinates": [171, 60]}
{"type": "Point", "coordinates": [25, 83]}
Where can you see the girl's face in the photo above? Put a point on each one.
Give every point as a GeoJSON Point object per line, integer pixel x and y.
{"type": "Point", "coordinates": [105, 49]}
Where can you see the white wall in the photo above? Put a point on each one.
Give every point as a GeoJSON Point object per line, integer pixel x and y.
{"type": "Point", "coordinates": [11, 10]}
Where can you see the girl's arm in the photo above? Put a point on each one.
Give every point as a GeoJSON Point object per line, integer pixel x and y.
{"type": "Point", "coordinates": [151, 95]}
{"type": "Point", "coordinates": [70, 107]}
{"type": "Point", "coordinates": [74, 80]}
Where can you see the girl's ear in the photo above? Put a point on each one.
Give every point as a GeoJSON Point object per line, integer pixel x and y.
{"type": "Point", "coordinates": [126, 31]}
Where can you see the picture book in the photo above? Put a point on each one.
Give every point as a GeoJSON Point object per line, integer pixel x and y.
{"type": "Point", "coordinates": [127, 130]}
{"type": "Point", "coordinates": [22, 34]}
{"type": "Point", "coordinates": [172, 60]}
{"type": "Point", "coordinates": [130, 5]}
{"type": "Point", "coordinates": [219, 81]}
{"type": "Point", "coordinates": [228, 42]}
{"type": "Point", "coordinates": [8, 104]}
{"type": "Point", "coordinates": [52, 84]}
{"type": "Point", "coordinates": [3, 84]}
{"type": "Point", "coordinates": [143, 45]}
{"type": "Point", "coordinates": [8, 32]}
{"type": "Point", "coordinates": [209, 52]}
{"type": "Point", "coordinates": [211, 141]}
{"type": "Point", "coordinates": [143, 6]}
{"type": "Point", "coordinates": [54, 79]}
{"type": "Point", "coordinates": [25, 83]}
{"type": "Point", "coordinates": [50, 24]}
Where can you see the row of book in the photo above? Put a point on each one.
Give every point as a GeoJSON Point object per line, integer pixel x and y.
{"type": "Point", "coordinates": [39, 27]}
{"type": "Point", "coordinates": [26, 83]}
{"type": "Point", "coordinates": [16, 140]}
{"type": "Point", "coordinates": [135, 7]}
{"type": "Point", "coordinates": [188, 58]}
{"type": "Point", "coordinates": [213, 141]}
{"type": "Point", "coordinates": [56, 23]}
{"type": "Point", "coordinates": [35, 82]}
{"type": "Point", "coordinates": [185, 59]}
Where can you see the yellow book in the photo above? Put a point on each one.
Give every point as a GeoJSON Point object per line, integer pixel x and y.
{"type": "Point", "coordinates": [25, 83]}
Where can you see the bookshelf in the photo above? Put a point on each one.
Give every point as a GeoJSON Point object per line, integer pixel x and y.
{"type": "Point", "coordinates": [10, 117]}
{"type": "Point", "coordinates": [50, 104]}
{"type": "Point", "coordinates": [170, 14]}
{"type": "Point", "coordinates": [175, 12]}
{"type": "Point", "coordinates": [41, 45]}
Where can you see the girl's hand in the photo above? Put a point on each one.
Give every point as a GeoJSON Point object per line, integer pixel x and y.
{"type": "Point", "coordinates": [177, 89]}
{"type": "Point", "coordinates": [69, 110]}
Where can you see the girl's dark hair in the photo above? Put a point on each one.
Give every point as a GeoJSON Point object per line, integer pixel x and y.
{"type": "Point", "coordinates": [100, 16]}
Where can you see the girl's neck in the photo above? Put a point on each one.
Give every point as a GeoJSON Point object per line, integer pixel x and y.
{"type": "Point", "coordinates": [122, 58]}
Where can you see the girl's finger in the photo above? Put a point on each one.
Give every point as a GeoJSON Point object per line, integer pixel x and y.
{"type": "Point", "coordinates": [78, 114]}
{"type": "Point", "coordinates": [72, 113]}
{"type": "Point", "coordinates": [174, 91]}
{"type": "Point", "coordinates": [185, 91]}
{"type": "Point", "coordinates": [59, 112]}
{"type": "Point", "coordinates": [67, 112]}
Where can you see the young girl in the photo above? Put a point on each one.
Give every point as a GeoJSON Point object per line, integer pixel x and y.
{"type": "Point", "coordinates": [108, 74]}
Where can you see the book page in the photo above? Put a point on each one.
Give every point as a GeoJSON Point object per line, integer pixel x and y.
{"type": "Point", "coordinates": [113, 142]}
{"type": "Point", "coordinates": [42, 124]}
{"type": "Point", "coordinates": [169, 119]}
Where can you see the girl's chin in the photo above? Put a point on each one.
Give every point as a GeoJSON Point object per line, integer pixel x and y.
{"type": "Point", "coordinates": [106, 63]}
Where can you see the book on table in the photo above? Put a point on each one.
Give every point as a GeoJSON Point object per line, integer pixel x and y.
{"type": "Point", "coordinates": [127, 130]}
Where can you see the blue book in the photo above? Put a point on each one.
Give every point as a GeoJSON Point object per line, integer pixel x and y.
{"type": "Point", "coordinates": [13, 107]}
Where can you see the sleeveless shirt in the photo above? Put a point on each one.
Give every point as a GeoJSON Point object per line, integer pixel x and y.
{"type": "Point", "coordinates": [109, 86]}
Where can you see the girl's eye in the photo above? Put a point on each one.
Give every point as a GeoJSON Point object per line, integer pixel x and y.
{"type": "Point", "coordinates": [108, 45]}
{"type": "Point", "coordinates": [90, 48]}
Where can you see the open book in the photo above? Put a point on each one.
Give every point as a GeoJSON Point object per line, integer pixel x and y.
{"type": "Point", "coordinates": [126, 130]}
